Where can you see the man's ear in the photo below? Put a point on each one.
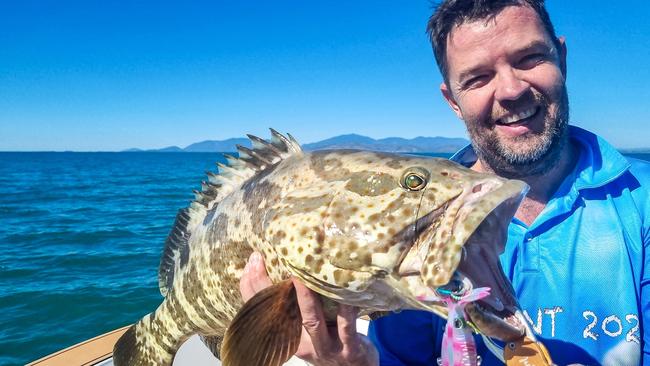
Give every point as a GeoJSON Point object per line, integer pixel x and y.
{"type": "Point", "coordinates": [562, 54]}
{"type": "Point", "coordinates": [446, 93]}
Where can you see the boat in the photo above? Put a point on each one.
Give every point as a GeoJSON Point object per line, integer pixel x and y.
{"type": "Point", "coordinates": [98, 351]}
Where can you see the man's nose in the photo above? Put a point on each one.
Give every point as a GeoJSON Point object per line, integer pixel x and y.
{"type": "Point", "coordinates": [509, 85]}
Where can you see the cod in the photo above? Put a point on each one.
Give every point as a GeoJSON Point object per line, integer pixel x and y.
{"type": "Point", "coordinates": [374, 230]}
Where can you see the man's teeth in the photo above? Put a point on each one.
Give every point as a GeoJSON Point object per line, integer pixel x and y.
{"type": "Point", "coordinates": [518, 117]}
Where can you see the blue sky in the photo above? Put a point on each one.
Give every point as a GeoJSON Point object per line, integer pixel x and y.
{"type": "Point", "coordinates": [109, 75]}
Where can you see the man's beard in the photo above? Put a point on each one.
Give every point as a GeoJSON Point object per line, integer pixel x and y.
{"type": "Point", "coordinates": [542, 151]}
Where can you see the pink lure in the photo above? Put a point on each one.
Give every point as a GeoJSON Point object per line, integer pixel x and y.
{"type": "Point", "coordinates": [458, 346]}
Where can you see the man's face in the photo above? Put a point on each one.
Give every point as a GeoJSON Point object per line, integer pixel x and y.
{"type": "Point", "coordinates": [506, 80]}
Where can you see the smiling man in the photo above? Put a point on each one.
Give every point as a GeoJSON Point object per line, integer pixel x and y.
{"type": "Point", "coordinates": [505, 78]}
{"type": "Point", "coordinates": [577, 250]}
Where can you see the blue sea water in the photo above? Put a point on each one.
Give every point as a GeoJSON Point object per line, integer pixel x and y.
{"type": "Point", "coordinates": [81, 236]}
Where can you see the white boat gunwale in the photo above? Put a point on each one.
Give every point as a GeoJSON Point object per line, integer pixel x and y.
{"type": "Point", "coordinates": [86, 353]}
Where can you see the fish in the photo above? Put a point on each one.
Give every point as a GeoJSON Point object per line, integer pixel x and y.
{"type": "Point", "coordinates": [379, 231]}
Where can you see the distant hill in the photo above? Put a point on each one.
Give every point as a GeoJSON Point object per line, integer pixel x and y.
{"type": "Point", "coordinates": [218, 146]}
{"type": "Point", "coordinates": [170, 149]}
{"type": "Point", "coordinates": [350, 141]}
{"type": "Point", "coordinates": [392, 144]}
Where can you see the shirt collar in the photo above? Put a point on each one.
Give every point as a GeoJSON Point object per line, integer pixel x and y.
{"type": "Point", "coordinates": [599, 162]}
{"type": "Point", "coordinates": [465, 156]}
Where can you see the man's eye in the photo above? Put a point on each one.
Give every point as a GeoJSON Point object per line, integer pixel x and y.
{"type": "Point", "coordinates": [475, 82]}
{"type": "Point", "coordinates": [530, 61]}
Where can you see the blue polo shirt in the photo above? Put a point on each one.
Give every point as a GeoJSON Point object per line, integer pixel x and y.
{"type": "Point", "coordinates": [581, 271]}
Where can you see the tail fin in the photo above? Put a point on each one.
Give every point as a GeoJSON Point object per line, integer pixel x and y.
{"type": "Point", "coordinates": [147, 343]}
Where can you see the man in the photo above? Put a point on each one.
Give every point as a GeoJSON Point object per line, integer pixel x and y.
{"type": "Point", "coordinates": [577, 250]}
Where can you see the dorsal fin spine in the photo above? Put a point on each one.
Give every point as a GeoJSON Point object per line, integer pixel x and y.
{"type": "Point", "coordinates": [230, 171]}
{"type": "Point", "coordinates": [279, 140]}
{"type": "Point", "coordinates": [233, 161]}
{"type": "Point", "coordinates": [259, 143]}
{"type": "Point", "coordinates": [253, 154]}
{"type": "Point", "coordinates": [212, 178]}
{"type": "Point", "coordinates": [289, 142]}
{"type": "Point", "coordinates": [230, 177]}
{"type": "Point", "coordinates": [240, 163]}
{"type": "Point", "coordinates": [295, 145]}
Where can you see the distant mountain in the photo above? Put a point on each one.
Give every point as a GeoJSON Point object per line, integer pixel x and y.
{"type": "Point", "coordinates": [164, 149]}
{"type": "Point", "coordinates": [392, 144]}
{"type": "Point", "coordinates": [350, 141]}
{"type": "Point", "coordinates": [228, 145]}
{"type": "Point", "coordinates": [218, 146]}
{"type": "Point", "coordinates": [170, 149]}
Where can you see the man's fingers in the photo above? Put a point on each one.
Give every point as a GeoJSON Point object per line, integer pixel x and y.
{"type": "Point", "coordinates": [260, 279]}
{"type": "Point", "coordinates": [254, 278]}
{"type": "Point", "coordinates": [335, 345]}
{"type": "Point", "coordinates": [313, 319]}
{"type": "Point", "coordinates": [346, 321]}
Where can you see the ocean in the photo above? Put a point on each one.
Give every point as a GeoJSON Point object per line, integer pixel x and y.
{"type": "Point", "coordinates": [81, 239]}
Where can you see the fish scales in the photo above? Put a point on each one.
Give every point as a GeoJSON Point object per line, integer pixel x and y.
{"type": "Point", "coordinates": [373, 230]}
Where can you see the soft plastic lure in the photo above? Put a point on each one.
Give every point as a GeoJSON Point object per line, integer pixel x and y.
{"type": "Point", "coordinates": [458, 345]}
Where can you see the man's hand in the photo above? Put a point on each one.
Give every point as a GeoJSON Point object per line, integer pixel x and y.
{"type": "Point", "coordinates": [320, 344]}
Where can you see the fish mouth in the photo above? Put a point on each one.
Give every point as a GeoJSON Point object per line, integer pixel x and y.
{"type": "Point", "coordinates": [497, 315]}
{"type": "Point", "coordinates": [480, 227]}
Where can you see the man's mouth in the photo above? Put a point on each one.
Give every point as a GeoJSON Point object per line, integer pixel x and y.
{"type": "Point", "coordinates": [520, 118]}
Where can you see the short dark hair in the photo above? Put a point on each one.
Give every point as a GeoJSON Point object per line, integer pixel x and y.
{"type": "Point", "coordinates": [450, 13]}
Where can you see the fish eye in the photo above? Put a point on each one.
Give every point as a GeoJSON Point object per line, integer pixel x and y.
{"type": "Point", "coordinates": [414, 180]}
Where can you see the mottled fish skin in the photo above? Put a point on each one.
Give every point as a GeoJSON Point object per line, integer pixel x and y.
{"type": "Point", "coordinates": [342, 221]}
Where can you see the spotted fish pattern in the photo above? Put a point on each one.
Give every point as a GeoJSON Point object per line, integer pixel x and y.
{"type": "Point", "coordinates": [374, 230]}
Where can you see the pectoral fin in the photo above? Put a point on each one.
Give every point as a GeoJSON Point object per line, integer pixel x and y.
{"type": "Point", "coordinates": [266, 330]}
